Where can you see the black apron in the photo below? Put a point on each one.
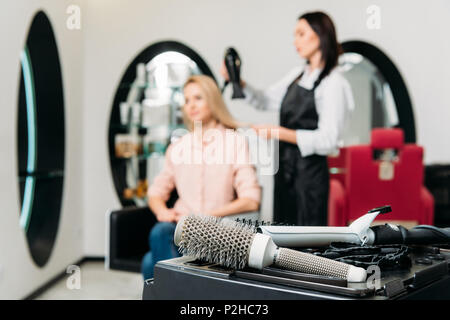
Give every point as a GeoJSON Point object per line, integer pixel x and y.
{"type": "Point", "coordinates": [301, 183]}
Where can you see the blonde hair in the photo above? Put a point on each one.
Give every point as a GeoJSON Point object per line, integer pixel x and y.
{"type": "Point", "coordinates": [214, 100]}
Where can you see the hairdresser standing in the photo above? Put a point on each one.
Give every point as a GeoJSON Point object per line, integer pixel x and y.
{"type": "Point", "coordinates": [314, 102]}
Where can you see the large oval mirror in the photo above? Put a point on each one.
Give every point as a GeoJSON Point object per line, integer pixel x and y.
{"type": "Point", "coordinates": [380, 94]}
{"type": "Point", "coordinates": [40, 142]}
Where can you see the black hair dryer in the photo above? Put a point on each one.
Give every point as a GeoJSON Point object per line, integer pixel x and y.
{"type": "Point", "coordinates": [233, 65]}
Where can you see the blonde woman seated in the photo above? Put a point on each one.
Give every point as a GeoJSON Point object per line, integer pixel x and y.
{"type": "Point", "coordinates": [209, 167]}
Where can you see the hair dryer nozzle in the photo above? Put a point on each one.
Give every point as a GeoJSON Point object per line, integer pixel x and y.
{"type": "Point", "coordinates": [238, 93]}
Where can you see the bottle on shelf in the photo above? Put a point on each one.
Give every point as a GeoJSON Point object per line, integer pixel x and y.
{"type": "Point", "coordinates": [136, 114]}
{"type": "Point", "coordinates": [141, 74]}
{"type": "Point", "coordinates": [127, 145]}
{"type": "Point", "coordinates": [140, 191]}
{"type": "Point", "coordinates": [125, 113]}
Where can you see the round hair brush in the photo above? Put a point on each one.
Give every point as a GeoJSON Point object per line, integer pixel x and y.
{"type": "Point", "coordinates": [235, 245]}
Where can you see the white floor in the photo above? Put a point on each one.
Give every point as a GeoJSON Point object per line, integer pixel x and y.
{"type": "Point", "coordinates": [96, 283]}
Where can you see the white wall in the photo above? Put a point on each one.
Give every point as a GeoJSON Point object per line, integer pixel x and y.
{"type": "Point", "coordinates": [19, 276]}
{"type": "Point", "coordinates": [113, 32]}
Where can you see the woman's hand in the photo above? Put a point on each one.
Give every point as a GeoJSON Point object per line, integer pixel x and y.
{"type": "Point", "coordinates": [179, 216]}
{"type": "Point", "coordinates": [270, 131]}
{"type": "Point", "coordinates": [238, 205]}
{"type": "Point", "coordinates": [162, 213]}
{"type": "Point", "coordinates": [167, 215]}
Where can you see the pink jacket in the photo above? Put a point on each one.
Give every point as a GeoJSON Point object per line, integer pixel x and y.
{"type": "Point", "coordinates": [207, 175]}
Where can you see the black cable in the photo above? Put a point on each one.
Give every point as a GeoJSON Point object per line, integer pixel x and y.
{"type": "Point", "coordinates": [443, 232]}
{"type": "Point", "coordinates": [385, 257]}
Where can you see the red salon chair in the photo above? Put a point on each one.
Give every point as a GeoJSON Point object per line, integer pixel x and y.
{"type": "Point", "coordinates": [385, 172]}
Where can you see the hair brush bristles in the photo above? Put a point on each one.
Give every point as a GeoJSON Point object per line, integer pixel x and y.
{"type": "Point", "coordinates": [216, 240]}
{"type": "Point", "coordinates": [253, 223]}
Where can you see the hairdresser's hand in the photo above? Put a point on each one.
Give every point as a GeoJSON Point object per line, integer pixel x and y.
{"type": "Point", "coordinates": [270, 131]}
{"type": "Point", "coordinates": [267, 131]}
{"type": "Point", "coordinates": [167, 215]}
{"type": "Point", "coordinates": [224, 73]}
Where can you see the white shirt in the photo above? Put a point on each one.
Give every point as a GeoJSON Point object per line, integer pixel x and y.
{"type": "Point", "coordinates": [334, 104]}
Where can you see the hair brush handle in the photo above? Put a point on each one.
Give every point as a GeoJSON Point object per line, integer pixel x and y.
{"type": "Point", "coordinates": [264, 252]}
{"type": "Point", "coordinates": [309, 263]}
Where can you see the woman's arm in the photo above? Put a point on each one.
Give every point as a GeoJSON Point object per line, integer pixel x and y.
{"type": "Point", "coordinates": [159, 208]}
{"type": "Point", "coordinates": [236, 206]}
{"type": "Point", "coordinates": [270, 98]}
{"type": "Point", "coordinates": [270, 131]}
{"type": "Point", "coordinates": [161, 188]}
{"type": "Point", "coordinates": [335, 107]}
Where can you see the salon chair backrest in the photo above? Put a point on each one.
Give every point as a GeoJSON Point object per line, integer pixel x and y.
{"type": "Point", "coordinates": [395, 179]}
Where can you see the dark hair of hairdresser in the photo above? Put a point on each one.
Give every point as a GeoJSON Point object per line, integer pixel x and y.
{"type": "Point", "coordinates": [323, 26]}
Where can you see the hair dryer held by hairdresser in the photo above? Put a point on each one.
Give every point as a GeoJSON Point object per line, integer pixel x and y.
{"type": "Point", "coordinates": [231, 71]}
